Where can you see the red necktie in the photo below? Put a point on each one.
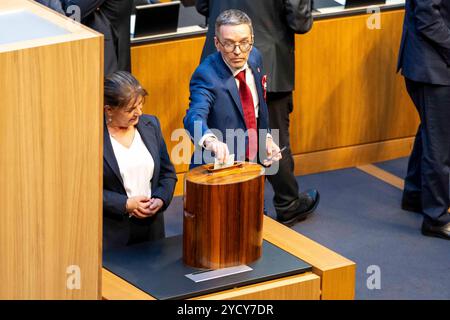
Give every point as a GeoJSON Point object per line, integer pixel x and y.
{"type": "Point", "coordinates": [249, 116]}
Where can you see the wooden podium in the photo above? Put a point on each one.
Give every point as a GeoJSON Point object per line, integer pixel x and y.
{"type": "Point", "coordinates": [51, 83]}
{"type": "Point", "coordinates": [209, 217]}
{"type": "Point", "coordinates": [332, 276]}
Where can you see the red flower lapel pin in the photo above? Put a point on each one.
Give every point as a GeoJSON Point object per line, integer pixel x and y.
{"type": "Point", "coordinates": [264, 85]}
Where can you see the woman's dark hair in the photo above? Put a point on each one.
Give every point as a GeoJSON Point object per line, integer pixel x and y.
{"type": "Point", "coordinates": [121, 88]}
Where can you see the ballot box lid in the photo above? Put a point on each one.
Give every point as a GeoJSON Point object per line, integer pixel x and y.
{"type": "Point", "coordinates": [240, 173]}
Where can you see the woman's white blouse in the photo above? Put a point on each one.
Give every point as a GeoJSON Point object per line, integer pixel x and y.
{"type": "Point", "coordinates": [136, 166]}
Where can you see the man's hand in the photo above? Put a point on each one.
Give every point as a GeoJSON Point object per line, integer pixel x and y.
{"type": "Point", "coordinates": [272, 151]}
{"type": "Point", "coordinates": [220, 149]}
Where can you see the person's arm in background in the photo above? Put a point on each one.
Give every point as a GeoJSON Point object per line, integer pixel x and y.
{"type": "Point", "coordinates": [202, 7]}
{"type": "Point", "coordinates": [114, 202]}
{"type": "Point", "coordinates": [431, 25]}
{"type": "Point", "coordinates": [299, 15]}
{"type": "Point", "coordinates": [202, 99]}
{"type": "Point", "coordinates": [86, 6]}
{"type": "Point", "coordinates": [53, 4]}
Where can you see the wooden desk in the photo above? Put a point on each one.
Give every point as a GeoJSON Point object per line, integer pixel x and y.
{"type": "Point", "coordinates": [350, 105]}
{"type": "Point", "coordinates": [332, 277]}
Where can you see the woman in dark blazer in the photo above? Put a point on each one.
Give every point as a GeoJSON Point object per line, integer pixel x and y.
{"type": "Point", "coordinates": [138, 176]}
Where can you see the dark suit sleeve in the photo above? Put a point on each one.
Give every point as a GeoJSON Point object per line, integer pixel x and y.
{"type": "Point", "coordinates": [202, 99]}
{"type": "Point", "coordinates": [118, 13]}
{"type": "Point", "coordinates": [117, 10]}
{"type": "Point", "coordinates": [202, 7]}
{"type": "Point", "coordinates": [431, 25]}
{"type": "Point", "coordinates": [114, 202]}
{"type": "Point", "coordinates": [53, 4]}
{"type": "Point", "coordinates": [86, 6]}
{"type": "Point", "coordinates": [264, 112]}
{"type": "Point", "coordinates": [299, 15]}
{"type": "Point", "coordinates": [167, 176]}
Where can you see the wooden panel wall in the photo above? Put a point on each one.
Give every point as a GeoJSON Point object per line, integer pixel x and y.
{"type": "Point", "coordinates": [51, 170]}
{"type": "Point", "coordinates": [165, 70]}
{"type": "Point", "coordinates": [347, 90]}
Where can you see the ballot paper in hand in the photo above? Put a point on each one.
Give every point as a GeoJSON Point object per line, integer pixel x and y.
{"type": "Point", "coordinates": [228, 162]}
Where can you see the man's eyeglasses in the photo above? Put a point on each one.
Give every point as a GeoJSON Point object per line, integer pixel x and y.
{"type": "Point", "coordinates": [229, 47]}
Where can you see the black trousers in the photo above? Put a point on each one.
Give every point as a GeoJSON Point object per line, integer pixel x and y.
{"type": "Point", "coordinates": [428, 167]}
{"type": "Point", "coordinates": [284, 184]}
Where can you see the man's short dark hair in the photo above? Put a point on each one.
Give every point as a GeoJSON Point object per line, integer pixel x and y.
{"type": "Point", "coordinates": [233, 17]}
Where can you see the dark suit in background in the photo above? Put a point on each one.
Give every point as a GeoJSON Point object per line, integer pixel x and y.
{"type": "Point", "coordinates": [118, 13]}
{"type": "Point", "coordinates": [425, 62]}
{"type": "Point", "coordinates": [117, 226]}
{"type": "Point", "coordinates": [93, 16]}
{"type": "Point", "coordinates": [112, 19]}
{"type": "Point", "coordinates": [53, 4]}
{"type": "Point", "coordinates": [275, 23]}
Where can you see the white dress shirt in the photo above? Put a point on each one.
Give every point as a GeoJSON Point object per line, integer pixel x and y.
{"type": "Point", "coordinates": [136, 166]}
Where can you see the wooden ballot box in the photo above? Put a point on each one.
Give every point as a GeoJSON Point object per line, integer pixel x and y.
{"type": "Point", "coordinates": [51, 82]}
{"type": "Point", "coordinates": [223, 216]}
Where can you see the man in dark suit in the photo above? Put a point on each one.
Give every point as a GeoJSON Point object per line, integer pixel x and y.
{"type": "Point", "coordinates": [217, 98]}
{"type": "Point", "coordinates": [425, 62]}
{"type": "Point", "coordinates": [275, 23]}
{"type": "Point", "coordinates": [227, 93]}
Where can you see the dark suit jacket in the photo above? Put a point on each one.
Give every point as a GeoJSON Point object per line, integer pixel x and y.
{"type": "Point", "coordinates": [425, 48]}
{"type": "Point", "coordinates": [112, 18]}
{"type": "Point", "coordinates": [93, 15]}
{"type": "Point", "coordinates": [274, 22]}
{"type": "Point", "coordinates": [163, 182]}
{"type": "Point", "coordinates": [215, 102]}
{"type": "Point", "coordinates": [118, 13]}
{"type": "Point", "coordinates": [53, 4]}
